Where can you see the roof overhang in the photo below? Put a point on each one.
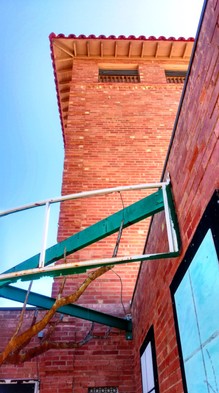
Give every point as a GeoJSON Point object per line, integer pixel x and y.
{"type": "Point", "coordinates": [64, 50]}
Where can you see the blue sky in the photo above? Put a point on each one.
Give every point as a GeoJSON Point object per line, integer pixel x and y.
{"type": "Point", "coordinates": [31, 148]}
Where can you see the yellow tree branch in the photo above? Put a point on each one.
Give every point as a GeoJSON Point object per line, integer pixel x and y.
{"type": "Point", "coordinates": [16, 342]}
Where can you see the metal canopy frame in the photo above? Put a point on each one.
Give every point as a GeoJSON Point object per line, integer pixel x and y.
{"type": "Point", "coordinates": [37, 266]}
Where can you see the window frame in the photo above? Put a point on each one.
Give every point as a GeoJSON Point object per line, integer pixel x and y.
{"type": "Point", "coordinates": [209, 220]}
{"type": "Point", "coordinates": [22, 381]}
{"type": "Point", "coordinates": [149, 339]}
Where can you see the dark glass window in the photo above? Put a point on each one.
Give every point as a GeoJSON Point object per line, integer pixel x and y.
{"type": "Point", "coordinates": [18, 386]}
{"type": "Point", "coordinates": [175, 76]}
{"type": "Point", "coordinates": [119, 76]}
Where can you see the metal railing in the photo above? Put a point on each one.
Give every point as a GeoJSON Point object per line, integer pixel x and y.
{"type": "Point", "coordinates": [171, 234]}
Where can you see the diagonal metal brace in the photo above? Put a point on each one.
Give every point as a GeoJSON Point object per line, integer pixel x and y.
{"type": "Point", "coordinates": [73, 310]}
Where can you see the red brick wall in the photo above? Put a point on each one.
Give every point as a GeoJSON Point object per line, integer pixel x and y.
{"type": "Point", "coordinates": [117, 134]}
{"type": "Point", "coordinates": [104, 361]}
{"type": "Point", "coordinates": [8, 323]}
{"type": "Point", "coordinates": [194, 169]}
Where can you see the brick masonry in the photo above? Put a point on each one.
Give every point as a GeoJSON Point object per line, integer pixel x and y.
{"type": "Point", "coordinates": [194, 167]}
{"type": "Point", "coordinates": [104, 361]}
{"type": "Point", "coordinates": [122, 137]}
{"type": "Point", "coordinates": [117, 134]}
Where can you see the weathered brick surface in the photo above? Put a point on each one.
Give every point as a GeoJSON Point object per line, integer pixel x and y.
{"type": "Point", "coordinates": [194, 169]}
{"type": "Point", "coordinates": [117, 134]}
{"type": "Point", "coordinates": [103, 361]}
{"type": "Point", "coordinates": [8, 323]}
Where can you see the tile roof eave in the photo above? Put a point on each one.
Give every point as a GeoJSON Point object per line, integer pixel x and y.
{"type": "Point", "coordinates": [120, 37]}
{"type": "Point", "coordinates": [53, 36]}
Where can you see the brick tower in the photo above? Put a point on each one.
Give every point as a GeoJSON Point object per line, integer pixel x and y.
{"type": "Point", "coordinates": [118, 99]}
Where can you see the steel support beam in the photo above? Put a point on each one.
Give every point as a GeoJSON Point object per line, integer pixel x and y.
{"type": "Point", "coordinates": [73, 310]}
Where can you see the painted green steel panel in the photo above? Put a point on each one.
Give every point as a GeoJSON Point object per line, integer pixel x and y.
{"type": "Point", "coordinates": [73, 310]}
{"type": "Point", "coordinates": [138, 211]}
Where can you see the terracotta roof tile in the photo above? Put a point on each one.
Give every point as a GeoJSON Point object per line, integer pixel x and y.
{"type": "Point", "coordinates": [120, 37]}
{"type": "Point", "coordinates": [53, 37]}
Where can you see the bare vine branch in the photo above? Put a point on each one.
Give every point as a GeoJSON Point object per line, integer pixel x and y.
{"type": "Point", "coordinates": [11, 351]}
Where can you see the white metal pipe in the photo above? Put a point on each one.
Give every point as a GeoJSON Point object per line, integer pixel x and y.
{"type": "Point", "coordinates": [45, 236]}
{"type": "Point", "coordinates": [175, 241]}
{"type": "Point", "coordinates": [174, 236]}
{"type": "Point", "coordinates": [85, 194]}
{"type": "Point", "coordinates": [168, 220]}
{"type": "Point", "coordinates": [67, 266]}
